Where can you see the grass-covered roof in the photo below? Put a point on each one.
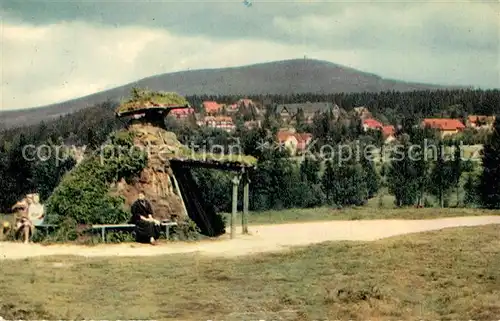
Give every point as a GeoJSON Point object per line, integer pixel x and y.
{"type": "Point", "coordinates": [144, 99]}
{"type": "Point", "coordinates": [189, 156]}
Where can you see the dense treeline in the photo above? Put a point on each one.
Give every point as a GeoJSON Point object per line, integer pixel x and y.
{"type": "Point", "coordinates": [429, 177]}
{"type": "Point", "coordinates": [280, 182]}
{"type": "Point", "coordinates": [22, 174]}
{"type": "Point", "coordinates": [394, 106]}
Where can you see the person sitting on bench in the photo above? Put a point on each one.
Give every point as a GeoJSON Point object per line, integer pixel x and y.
{"type": "Point", "coordinates": [147, 229]}
{"type": "Point", "coordinates": [29, 214]}
{"type": "Point", "coordinates": [36, 211]}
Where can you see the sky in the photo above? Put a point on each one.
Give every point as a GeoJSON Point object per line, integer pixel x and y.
{"type": "Point", "coordinates": [52, 51]}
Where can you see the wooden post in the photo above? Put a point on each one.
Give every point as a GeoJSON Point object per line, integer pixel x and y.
{"type": "Point", "coordinates": [236, 181]}
{"type": "Point", "coordinates": [246, 190]}
{"type": "Point", "coordinates": [178, 190]}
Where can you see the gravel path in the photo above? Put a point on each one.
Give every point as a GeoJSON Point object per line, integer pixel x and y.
{"type": "Point", "coordinates": [263, 238]}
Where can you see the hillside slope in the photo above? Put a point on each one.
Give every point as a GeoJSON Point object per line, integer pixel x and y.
{"type": "Point", "coordinates": [280, 77]}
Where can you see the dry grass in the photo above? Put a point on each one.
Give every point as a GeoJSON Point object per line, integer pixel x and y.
{"type": "Point", "coordinates": [357, 213]}
{"type": "Point", "coordinates": [447, 275]}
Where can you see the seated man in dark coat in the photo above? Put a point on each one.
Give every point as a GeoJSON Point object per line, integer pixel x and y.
{"type": "Point", "coordinates": [147, 229]}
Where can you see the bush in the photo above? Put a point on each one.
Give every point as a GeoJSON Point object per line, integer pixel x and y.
{"type": "Point", "coordinates": [119, 237]}
{"type": "Point", "coordinates": [187, 230]}
{"type": "Point", "coordinates": [471, 197]}
{"type": "Point", "coordinates": [83, 194]}
{"type": "Point", "coordinates": [307, 195]}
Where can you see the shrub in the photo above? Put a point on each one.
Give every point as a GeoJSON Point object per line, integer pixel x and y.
{"type": "Point", "coordinates": [83, 194]}
{"type": "Point", "coordinates": [120, 236]}
{"type": "Point", "coordinates": [187, 230]}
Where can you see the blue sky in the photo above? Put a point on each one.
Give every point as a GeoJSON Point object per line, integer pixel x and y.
{"type": "Point", "coordinates": [57, 50]}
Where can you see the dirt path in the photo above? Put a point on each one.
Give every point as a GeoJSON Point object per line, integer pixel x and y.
{"type": "Point", "coordinates": [263, 238]}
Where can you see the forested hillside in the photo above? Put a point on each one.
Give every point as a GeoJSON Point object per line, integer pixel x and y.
{"type": "Point", "coordinates": [279, 182]}
{"type": "Point", "coordinates": [296, 76]}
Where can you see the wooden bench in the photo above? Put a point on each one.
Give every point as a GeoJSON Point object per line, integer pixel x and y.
{"type": "Point", "coordinates": [45, 227]}
{"type": "Point", "coordinates": [104, 227]}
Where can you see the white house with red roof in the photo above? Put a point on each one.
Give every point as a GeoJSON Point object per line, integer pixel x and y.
{"type": "Point", "coordinates": [252, 124]}
{"type": "Point", "coordinates": [372, 124]}
{"type": "Point", "coordinates": [446, 126]}
{"type": "Point", "coordinates": [211, 107]}
{"type": "Point", "coordinates": [480, 121]}
{"type": "Point", "coordinates": [232, 108]}
{"type": "Point", "coordinates": [389, 132]}
{"type": "Point", "coordinates": [220, 122]}
{"type": "Point", "coordinates": [182, 113]}
{"type": "Point", "coordinates": [295, 142]}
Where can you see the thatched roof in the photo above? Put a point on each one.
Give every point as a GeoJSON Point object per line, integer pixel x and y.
{"type": "Point", "coordinates": [142, 100]}
{"type": "Point", "coordinates": [223, 162]}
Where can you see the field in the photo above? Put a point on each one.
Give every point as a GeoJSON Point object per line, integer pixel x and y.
{"type": "Point", "coordinates": [442, 275]}
{"type": "Point", "coordinates": [369, 212]}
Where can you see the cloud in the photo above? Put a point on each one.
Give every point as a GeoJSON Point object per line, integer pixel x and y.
{"type": "Point", "coordinates": [54, 51]}
{"type": "Point", "coordinates": [447, 27]}
{"type": "Point", "coordinates": [52, 63]}
{"type": "Point", "coordinates": [338, 25]}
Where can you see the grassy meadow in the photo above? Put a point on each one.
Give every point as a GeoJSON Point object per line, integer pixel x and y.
{"type": "Point", "coordinates": [380, 207]}
{"type": "Point", "coordinates": [356, 213]}
{"type": "Point", "coordinates": [452, 274]}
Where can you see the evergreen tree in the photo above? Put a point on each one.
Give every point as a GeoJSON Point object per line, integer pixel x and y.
{"type": "Point", "coordinates": [402, 176]}
{"type": "Point", "coordinates": [471, 191]}
{"type": "Point", "coordinates": [300, 121]}
{"type": "Point", "coordinates": [309, 170]}
{"type": "Point", "coordinates": [7, 184]}
{"type": "Point", "coordinates": [271, 122]}
{"type": "Point", "coordinates": [489, 185]}
{"type": "Point", "coordinates": [48, 173]}
{"type": "Point", "coordinates": [92, 141]}
{"type": "Point", "coordinates": [457, 169]}
{"type": "Point", "coordinates": [350, 186]}
{"type": "Point", "coordinates": [371, 177]}
{"type": "Point", "coordinates": [421, 138]}
{"type": "Point", "coordinates": [347, 185]}
{"type": "Point", "coordinates": [328, 181]}
{"type": "Point", "coordinates": [20, 167]}
{"type": "Point", "coordinates": [441, 177]}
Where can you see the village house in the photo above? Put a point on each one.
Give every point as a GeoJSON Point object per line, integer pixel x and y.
{"type": "Point", "coordinates": [372, 124]}
{"type": "Point", "coordinates": [285, 114]}
{"type": "Point", "coordinates": [252, 124]}
{"type": "Point", "coordinates": [245, 102]}
{"type": "Point", "coordinates": [446, 126]}
{"type": "Point", "coordinates": [249, 105]}
{"type": "Point", "coordinates": [389, 133]}
{"type": "Point", "coordinates": [362, 112]}
{"type": "Point", "coordinates": [480, 121]}
{"type": "Point", "coordinates": [288, 112]}
{"type": "Point", "coordinates": [220, 122]}
{"type": "Point", "coordinates": [182, 113]}
{"type": "Point", "coordinates": [211, 107]}
{"type": "Point", "coordinates": [231, 108]}
{"type": "Point", "coordinates": [337, 112]}
{"type": "Point", "coordinates": [294, 142]}
{"type": "Point", "coordinates": [303, 139]}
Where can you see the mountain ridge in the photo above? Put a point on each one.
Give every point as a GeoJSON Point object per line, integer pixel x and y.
{"type": "Point", "coordinates": [274, 77]}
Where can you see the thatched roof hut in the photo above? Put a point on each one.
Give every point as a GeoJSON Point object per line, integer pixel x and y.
{"type": "Point", "coordinates": [105, 193]}
{"type": "Point", "coordinates": [144, 101]}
